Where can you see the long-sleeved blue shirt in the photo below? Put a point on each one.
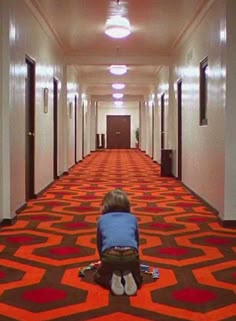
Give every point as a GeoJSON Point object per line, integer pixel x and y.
{"type": "Point", "coordinates": [117, 229]}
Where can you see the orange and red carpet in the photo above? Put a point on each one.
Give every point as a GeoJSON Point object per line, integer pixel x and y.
{"type": "Point", "coordinates": [40, 255]}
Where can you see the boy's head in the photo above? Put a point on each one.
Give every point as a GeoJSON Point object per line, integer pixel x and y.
{"type": "Point", "coordinates": [115, 201]}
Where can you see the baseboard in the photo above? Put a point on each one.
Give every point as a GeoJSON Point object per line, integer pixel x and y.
{"type": "Point", "coordinates": [227, 223]}
{"type": "Point", "coordinates": [224, 223]}
{"type": "Point", "coordinates": [201, 199]}
{"type": "Point", "coordinates": [43, 190]}
{"type": "Point", "coordinates": [8, 221]}
{"type": "Point", "coordinates": [20, 209]}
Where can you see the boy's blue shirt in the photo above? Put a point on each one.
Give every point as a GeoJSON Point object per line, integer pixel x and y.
{"type": "Point", "coordinates": [117, 229]}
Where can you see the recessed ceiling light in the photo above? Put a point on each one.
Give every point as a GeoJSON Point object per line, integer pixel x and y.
{"type": "Point", "coordinates": [117, 27]}
{"type": "Point", "coordinates": [117, 95]}
{"type": "Point", "coordinates": [118, 86]}
{"type": "Point", "coordinates": [118, 69]}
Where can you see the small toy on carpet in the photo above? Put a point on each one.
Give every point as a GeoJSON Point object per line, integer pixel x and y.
{"type": "Point", "coordinates": [149, 270]}
{"type": "Point", "coordinates": [153, 271]}
{"type": "Point", "coordinates": [91, 266]}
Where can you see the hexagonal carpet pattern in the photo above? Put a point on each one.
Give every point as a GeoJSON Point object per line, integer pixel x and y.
{"type": "Point", "coordinates": [55, 235]}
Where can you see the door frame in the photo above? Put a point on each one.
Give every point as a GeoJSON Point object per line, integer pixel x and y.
{"type": "Point", "coordinates": [55, 128]}
{"type": "Point", "coordinates": [129, 135]}
{"type": "Point", "coordinates": [179, 107]}
{"type": "Point", "coordinates": [76, 127]}
{"type": "Point", "coordinates": [30, 128]}
{"type": "Point", "coordinates": [153, 124]}
{"type": "Point", "coordinates": [163, 121]}
{"type": "Point", "coordinates": [82, 130]}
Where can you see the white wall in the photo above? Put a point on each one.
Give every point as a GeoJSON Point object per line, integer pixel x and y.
{"type": "Point", "coordinates": [157, 130]}
{"type": "Point", "coordinates": [93, 125]}
{"type": "Point", "coordinates": [162, 88]}
{"type": "Point", "coordinates": [4, 115]}
{"type": "Point", "coordinates": [87, 120]}
{"type": "Point", "coordinates": [27, 37]}
{"type": "Point", "coordinates": [129, 108]}
{"type": "Point", "coordinates": [149, 112]}
{"type": "Point", "coordinates": [23, 33]}
{"type": "Point", "coordinates": [143, 125]}
{"type": "Point", "coordinates": [202, 146]}
{"type": "Point", "coordinates": [142, 134]}
{"type": "Point", "coordinates": [230, 145]}
{"type": "Point", "coordinates": [72, 91]}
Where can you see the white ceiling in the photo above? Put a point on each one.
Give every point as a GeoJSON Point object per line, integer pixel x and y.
{"type": "Point", "coordinates": [157, 26]}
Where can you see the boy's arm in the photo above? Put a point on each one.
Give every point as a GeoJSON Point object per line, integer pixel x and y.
{"type": "Point", "coordinates": [99, 241]}
{"type": "Point", "coordinates": [137, 233]}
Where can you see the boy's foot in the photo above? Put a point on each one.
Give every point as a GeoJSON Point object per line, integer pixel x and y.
{"type": "Point", "coordinates": [117, 287]}
{"type": "Point", "coordinates": [130, 284]}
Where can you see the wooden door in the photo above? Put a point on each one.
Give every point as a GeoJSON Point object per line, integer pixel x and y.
{"type": "Point", "coordinates": [179, 94]}
{"type": "Point", "coordinates": [55, 127]}
{"type": "Point", "coordinates": [76, 129]}
{"type": "Point", "coordinates": [118, 131]}
{"type": "Point", "coordinates": [162, 121]}
{"type": "Point", "coordinates": [29, 128]}
{"type": "Point", "coordinates": [82, 115]}
{"type": "Point", "coordinates": [153, 123]}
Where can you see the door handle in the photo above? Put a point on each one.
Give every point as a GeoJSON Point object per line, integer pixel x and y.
{"type": "Point", "coordinates": [30, 134]}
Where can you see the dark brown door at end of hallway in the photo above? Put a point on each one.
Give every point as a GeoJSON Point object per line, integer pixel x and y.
{"type": "Point", "coordinates": [118, 132]}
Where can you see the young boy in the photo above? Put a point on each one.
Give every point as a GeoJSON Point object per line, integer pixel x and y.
{"type": "Point", "coordinates": [118, 244]}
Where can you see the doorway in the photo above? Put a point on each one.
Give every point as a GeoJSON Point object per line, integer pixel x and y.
{"type": "Point", "coordinates": [118, 132]}
{"type": "Point", "coordinates": [82, 113]}
{"type": "Point", "coordinates": [179, 106]}
{"type": "Point", "coordinates": [29, 128]}
{"type": "Point", "coordinates": [76, 129]}
{"type": "Point", "coordinates": [162, 121]}
{"type": "Point", "coordinates": [55, 127]}
{"type": "Point", "coordinates": [153, 124]}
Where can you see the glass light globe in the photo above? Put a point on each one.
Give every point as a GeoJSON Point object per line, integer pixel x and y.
{"type": "Point", "coordinates": [117, 27]}
{"type": "Point", "coordinates": [118, 69]}
{"type": "Point", "coordinates": [118, 86]}
{"type": "Point", "coordinates": [117, 95]}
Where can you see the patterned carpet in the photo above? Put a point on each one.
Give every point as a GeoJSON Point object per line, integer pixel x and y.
{"type": "Point", "coordinates": [56, 234]}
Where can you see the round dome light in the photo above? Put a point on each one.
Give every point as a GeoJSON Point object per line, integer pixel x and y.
{"type": "Point", "coordinates": [118, 86]}
{"type": "Point", "coordinates": [117, 27]}
{"type": "Point", "coordinates": [117, 95]}
{"type": "Point", "coordinates": [118, 69]}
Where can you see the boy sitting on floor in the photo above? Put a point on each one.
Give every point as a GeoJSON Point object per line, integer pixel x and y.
{"type": "Point", "coordinates": [118, 245]}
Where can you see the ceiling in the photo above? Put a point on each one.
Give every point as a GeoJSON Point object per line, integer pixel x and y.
{"type": "Point", "coordinates": [157, 27]}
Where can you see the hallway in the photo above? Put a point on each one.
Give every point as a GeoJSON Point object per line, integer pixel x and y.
{"type": "Point", "coordinates": [57, 92]}
{"type": "Point", "coordinates": [55, 234]}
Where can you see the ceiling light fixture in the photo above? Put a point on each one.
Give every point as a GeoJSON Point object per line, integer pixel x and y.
{"type": "Point", "coordinates": [118, 86]}
{"type": "Point", "coordinates": [118, 69]}
{"type": "Point", "coordinates": [117, 95]}
{"type": "Point", "coordinates": [118, 103]}
{"type": "Point", "coordinates": [117, 27]}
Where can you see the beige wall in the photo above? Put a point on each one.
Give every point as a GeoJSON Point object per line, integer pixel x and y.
{"type": "Point", "coordinates": [230, 115]}
{"type": "Point", "coordinates": [162, 88]}
{"type": "Point", "coordinates": [202, 146]}
{"type": "Point", "coordinates": [27, 37]}
{"type": "Point", "coordinates": [72, 91]}
{"type": "Point", "coordinates": [4, 115]}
